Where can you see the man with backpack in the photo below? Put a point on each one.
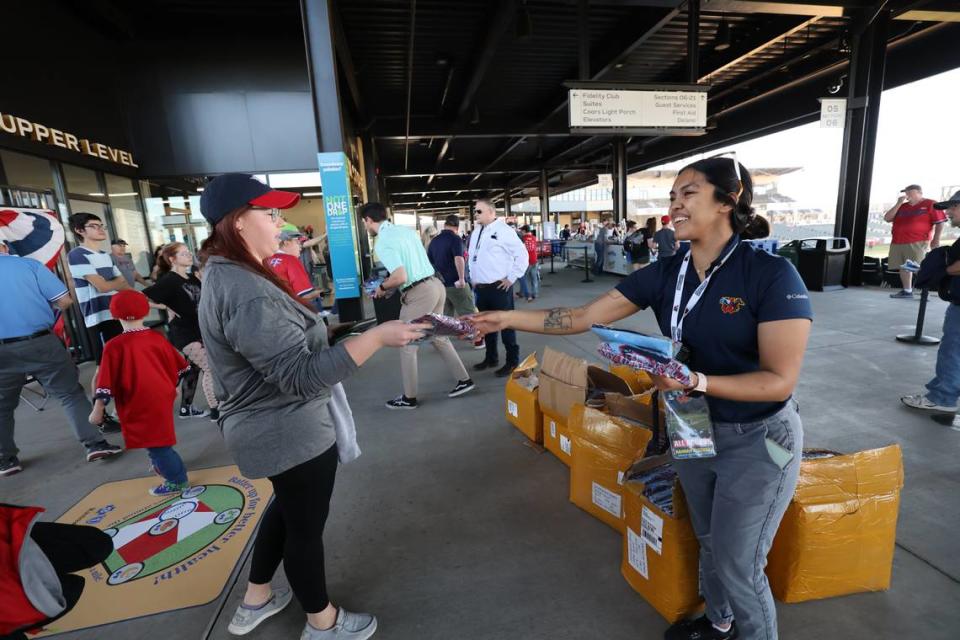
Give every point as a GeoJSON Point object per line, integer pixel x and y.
{"type": "Point", "coordinates": [940, 270]}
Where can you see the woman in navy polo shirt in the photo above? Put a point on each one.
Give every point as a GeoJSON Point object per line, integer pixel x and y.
{"type": "Point", "coordinates": [745, 335]}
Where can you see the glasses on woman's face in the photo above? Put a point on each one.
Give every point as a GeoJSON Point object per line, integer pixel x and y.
{"type": "Point", "coordinates": [185, 253]}
{"type": "Point", "coordinates": [96, 226]}
{"type": "Point", "coordinates": [274, 213]}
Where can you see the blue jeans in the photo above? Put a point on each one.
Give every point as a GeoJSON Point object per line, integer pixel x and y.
{"type": "Point", "coordinates": [168, 464]}
{"type": "Point", "coordinates": [944, 389]}
{"type": "Point", "coordinates": [532, 278]}
{"type": "Point", "coordinates": [524, 285]}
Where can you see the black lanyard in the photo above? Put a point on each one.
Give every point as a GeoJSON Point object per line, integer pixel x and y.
{"type": "Point", "coordinates": [476, 249]}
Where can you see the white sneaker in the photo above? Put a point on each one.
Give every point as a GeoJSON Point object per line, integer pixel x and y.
{"type": "Point", "coordinates": [246, 620]}
{"type": "Point", "coordinates": [349, 626]}
{"type": "Point", "coordinates": [920, 401]}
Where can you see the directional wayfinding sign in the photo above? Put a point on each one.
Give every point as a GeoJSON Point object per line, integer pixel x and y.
{"type": "Point", "coordinates": [638, 109]}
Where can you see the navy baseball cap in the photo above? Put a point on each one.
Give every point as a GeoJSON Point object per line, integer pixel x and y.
{"type": "Point", "coordinates": [232, 191]}
{"type": "Point", "coordinates": [946, 204]}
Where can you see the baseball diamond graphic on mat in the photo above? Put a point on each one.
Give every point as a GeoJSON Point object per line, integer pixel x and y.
{"type": "Point", "coordinates": [171, 532]}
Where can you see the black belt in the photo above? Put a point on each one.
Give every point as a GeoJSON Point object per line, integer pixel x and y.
{"type": "Point", "coordinates": [22, 338]}
{"type": "Point", "coordinates": [487, 285]}
{"type": "Point", "coordinates": [413, 284]}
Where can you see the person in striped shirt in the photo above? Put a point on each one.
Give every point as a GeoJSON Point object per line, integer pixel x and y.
{"type": "Point", "coordinates": [96, 279]}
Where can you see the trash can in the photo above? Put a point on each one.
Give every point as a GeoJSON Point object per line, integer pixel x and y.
{"type": "Point", "coordinates": [790, 251]}
{"type": "Point", "coordinates": [822, 263]}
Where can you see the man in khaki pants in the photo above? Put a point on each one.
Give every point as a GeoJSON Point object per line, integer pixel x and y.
{"type": "Point", "coordinates": [400, 250]}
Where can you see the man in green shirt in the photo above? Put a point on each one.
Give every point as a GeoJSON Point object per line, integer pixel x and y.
{"type": "Point", "coordinates": [400, 250]}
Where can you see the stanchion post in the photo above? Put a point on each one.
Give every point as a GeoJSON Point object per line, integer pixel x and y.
{"type": "Point", "coordinates": [917, 336]}
{"type": "Point", "coordinates": [551, 260]}
{"type": "Point", "coordinates": [586, 265]}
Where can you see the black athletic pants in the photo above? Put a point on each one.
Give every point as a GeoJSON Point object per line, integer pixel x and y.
{"type": "Point", "coordinates": [69, 548]}
{"type": "Point", "coordinates": [292, 530]}
{"type": "Point", "coordinates": [491, 298]}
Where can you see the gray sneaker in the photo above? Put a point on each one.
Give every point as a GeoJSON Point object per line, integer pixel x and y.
{"type": "Point", "coordinates": [902, 295]}
{"type": "Point", "coordinates": [349, 626]}
{"type": "Point", "coordinates": [246, 620]}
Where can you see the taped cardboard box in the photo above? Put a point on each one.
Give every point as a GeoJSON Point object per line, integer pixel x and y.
{"type": "Point", "coordinates": [566, 381]}
{"type": "Point", "coordinates": [639, 381]}
{"type": "Point", "coordinates": [604, 447]}
{"type": "Point", "coordinates": [838, 534]}
{"type": "Point", "coordinates": [523, 401]}
{"type": "Point", "coordinates": [556, 437]}
{"type": "Point", "coordinates": [660, 551]}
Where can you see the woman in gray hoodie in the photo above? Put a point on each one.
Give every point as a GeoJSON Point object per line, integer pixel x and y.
{"type": "Point", "coordinates": [277, 381]}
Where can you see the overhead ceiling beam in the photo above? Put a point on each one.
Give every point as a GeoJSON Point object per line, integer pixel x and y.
{"type": "Point", "coordinates": [346, 63]}
{"type": "Point", "coordinates": [832, 10]}
{"type": "Point", "coordinates": [413, 26]}
{"type": "Point", "coordinates": [495, 30]}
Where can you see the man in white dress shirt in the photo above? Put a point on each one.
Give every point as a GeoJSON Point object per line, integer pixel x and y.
{"type": "Point", "coordinates": [497, 259]}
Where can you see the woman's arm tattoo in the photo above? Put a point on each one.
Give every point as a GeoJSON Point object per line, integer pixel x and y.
{"type": "Point", "coordinates": [558, 320]}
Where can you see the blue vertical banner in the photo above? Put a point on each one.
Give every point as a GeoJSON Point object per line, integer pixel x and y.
{"type": "Point", "coordinates": [341, 224]}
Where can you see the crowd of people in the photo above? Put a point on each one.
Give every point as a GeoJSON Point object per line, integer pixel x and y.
{"type": "Point", "coordinates": [248, 318]}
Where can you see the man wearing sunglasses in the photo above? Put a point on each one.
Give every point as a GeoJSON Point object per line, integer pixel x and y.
{"type": "Point", "coordinates": [96, 279]}
{"type": "Point", "coordinates": [498, 258]}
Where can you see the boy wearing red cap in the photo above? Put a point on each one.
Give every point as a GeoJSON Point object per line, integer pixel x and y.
{"type": "Point", "coordinates": [140, 370]}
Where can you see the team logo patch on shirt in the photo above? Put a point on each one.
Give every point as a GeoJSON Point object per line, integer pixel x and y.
{"type": "Point", "coordinates": [731, 305]}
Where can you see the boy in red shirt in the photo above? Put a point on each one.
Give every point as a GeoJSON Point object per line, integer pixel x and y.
{"type": "Point", "coordinates": [140, 370]}
{"type": "Point", "coordinates": [915, 221]}
{"type": "Point", "coordinates": [286, 264]}
{"type": "Point", "coordinates": [530, 282]}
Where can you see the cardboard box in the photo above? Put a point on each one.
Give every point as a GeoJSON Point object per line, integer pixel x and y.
{"type": "Point", "coordinates": [556, 437]}
{"type": "Point", "coordinates": [604, 446]}
{"type": "Point", "coordinates": [523, 401]}
{"type": "Point", "coordinates": [565, 381]}
{"type": "Point", "coordinates": [838, 534]}
{"type": "Point", "coordinates": [661, 554]}
{"type": "Point", "coordinates": [639, 381]}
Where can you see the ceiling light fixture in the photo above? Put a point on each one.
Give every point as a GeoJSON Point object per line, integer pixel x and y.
{"type": "Point", "coordinates": [723, 36]}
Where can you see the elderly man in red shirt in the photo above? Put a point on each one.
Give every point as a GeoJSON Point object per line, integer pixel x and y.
{"type": "Point", "coordinates": [286, 264]}
{"type": "Point", "coordinates": [916, 229]}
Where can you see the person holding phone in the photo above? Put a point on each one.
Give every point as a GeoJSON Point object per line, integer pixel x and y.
{"type": "Point", "coordinates": [743, 318]}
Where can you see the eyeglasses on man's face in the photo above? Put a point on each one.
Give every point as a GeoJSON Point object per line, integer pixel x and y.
{"type": "Point", "coordinates": [96, 226]}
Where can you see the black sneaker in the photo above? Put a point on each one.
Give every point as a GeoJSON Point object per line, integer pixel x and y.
{"type": "Point", "coordinates": [109, 425]}
{"type": "Point", "coordinates": [102, 449]}
{"type": "Point", "coordinates": [485, 365]}
{"type": "Point", "coordinates": [462, 387]}
{"type": "Point", "coordinates": [191, 411]}
{"type": "Point", "coordinates": [10, 466]}
{"type": "Point", "coordinates": [699, 629]}
{"type": "Point", "coordinates": [214, 415]}
{"type": "Point", "coordinates": [506, 370]}
{"type": "Point", "coordinates": [402, 402]}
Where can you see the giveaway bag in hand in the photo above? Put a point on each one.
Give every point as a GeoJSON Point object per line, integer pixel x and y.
{"type": "Point", "coordinates": [446, 326]}
{"type": "Point", "coordinates": [645, 361]}
{"type": "Point", "coordinates": [689, 428]}
{"type": "Point", "coordinates": [654, 345]}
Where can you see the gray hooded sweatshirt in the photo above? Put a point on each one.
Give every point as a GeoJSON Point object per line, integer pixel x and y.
{"type": "Point", "coordinates": [272, 370]}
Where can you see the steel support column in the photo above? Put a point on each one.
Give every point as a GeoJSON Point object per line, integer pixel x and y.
{"type": "Point", "coordinates": [693, 40]}
{"type": "Point", "coordinates": [506, 200]}
{"type": "Point", "coordinates": [619, 179]}
{"type": "Point", "coordinates": [867, 61]}
{"type": "Point", "coordinates": [317, 16]}
{"type": "Point", "coordinates": [544, 198]}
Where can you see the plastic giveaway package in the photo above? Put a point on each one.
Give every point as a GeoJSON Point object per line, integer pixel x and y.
{"type": "Point", "coordinates": [604, 447]}
{"type": "Point", "coordinates": [522, 400]}
{"type": "Point", "coordinates": [838, 534]}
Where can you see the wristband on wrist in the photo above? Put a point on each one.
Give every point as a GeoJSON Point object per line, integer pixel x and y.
{"type": "Point", "coordinates": [701, 386]}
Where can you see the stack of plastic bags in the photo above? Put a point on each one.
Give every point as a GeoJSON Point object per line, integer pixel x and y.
{"type": "Point", "coordinates": [653, 354]}
{"type": "Point", "coordinates": [657, 486]}
{"type": "Point", "coordinates": [446, 326]}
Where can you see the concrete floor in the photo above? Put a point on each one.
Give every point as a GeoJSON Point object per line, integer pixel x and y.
{"type": "Point", "coordinates": [449, 526]}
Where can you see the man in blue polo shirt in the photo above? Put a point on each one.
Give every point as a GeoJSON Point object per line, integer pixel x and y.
{"type": "Point", "coordinates": [446, 256]}
{"type": "Point", "coordinates": [402, 253]}
{"type": "Point", "coordinates": [27, 347]}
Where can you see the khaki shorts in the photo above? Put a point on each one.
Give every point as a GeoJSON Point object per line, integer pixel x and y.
{"type": "Point", "coordinates": [900, 253]}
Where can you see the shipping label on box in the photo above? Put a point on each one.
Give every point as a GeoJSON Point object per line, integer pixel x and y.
{"type": "Point", "coordinates": [606, 500]}
{"type": "Point", "coordinates": [651, 527]}
{"type": "Point", "coordinates": [513, 409]}
{"type": "Point", "coordinates": [565, 445]}
{"type": "Point", "coordinates": [553, 429]}
{"type": "Point", "coordinates": [637, 553]}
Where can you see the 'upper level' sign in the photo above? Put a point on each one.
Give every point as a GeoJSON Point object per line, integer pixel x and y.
{"type": "Point", "coordinates": [48, 135]}
{"type": "Point", "coordinates": [678, 111]}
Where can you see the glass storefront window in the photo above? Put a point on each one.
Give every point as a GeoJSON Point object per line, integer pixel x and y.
{"type": "Point", "coordinates": [128, 220]}
{"type": "Point", "coordinates": [26, 171]}
{"type": "Point", "coordinates": [81, 181]}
